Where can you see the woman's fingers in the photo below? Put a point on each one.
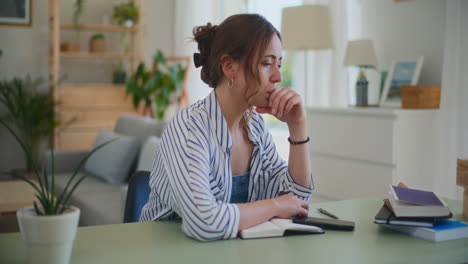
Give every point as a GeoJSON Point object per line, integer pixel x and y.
{"type": "Point", "coordinates": [283, 102]}
{"type": "Point", "coordinates": [275, 98]}
{"type": "Point", "coordinates": [292, 102]}
{"type": "Point", "coordinates": [291, 206]}
{"type": "Point", "coordinates": [279, 99]}
{"type": "Point", "coordinates": [263, 110]}
{"type": "Point", "coordinates": [303, 213]}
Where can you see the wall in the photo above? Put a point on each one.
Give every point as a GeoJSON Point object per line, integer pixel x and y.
{"type": "Point", "coordinates": [463, 132]}
{"type": "Point", "coordinates": [25, 50]}
{"type": "Point", "coordinates": [407, 29]}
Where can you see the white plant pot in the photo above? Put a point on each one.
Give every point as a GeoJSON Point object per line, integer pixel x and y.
{"type": "Point", "coordinates": [129, 23]}
{"type": "Point", "coordinates": [49, 239]}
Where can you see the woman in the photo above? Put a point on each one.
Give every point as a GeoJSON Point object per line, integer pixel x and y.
{"type": "Point", "coordinates": [217, 167]}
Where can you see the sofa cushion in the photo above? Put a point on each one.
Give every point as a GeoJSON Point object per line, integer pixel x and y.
{"type": "Point", "coordinates": [139, 126]}
{"type": "Point", "coordinates": [113, 162]}
{"type": "Point", "coordinates": [148, 153]}
{"type": "Point", "coordinates": [100, 203]}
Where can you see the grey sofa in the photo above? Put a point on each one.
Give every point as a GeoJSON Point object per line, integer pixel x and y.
{"type": "Point", "coordinates": [102, 202]}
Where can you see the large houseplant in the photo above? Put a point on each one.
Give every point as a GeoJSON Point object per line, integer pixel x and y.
{"type": "Point", "coordinates": [156, 86]}
{"type": "Point", "coordinates": [29, 112]}
{"type": "Point", "coordinates": [49, 227]}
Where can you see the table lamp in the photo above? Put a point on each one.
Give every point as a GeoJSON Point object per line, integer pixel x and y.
{"type": "Point", "coordinates": [361, 53]}
{"type": "Point", "coordinates": [306, 27]}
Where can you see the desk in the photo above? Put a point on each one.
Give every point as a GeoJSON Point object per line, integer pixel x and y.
{"type": "Point", "coordinates": [164, 242]}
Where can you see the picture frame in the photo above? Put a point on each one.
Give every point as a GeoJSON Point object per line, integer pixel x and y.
{"type": "Point", "coordinates": [16, 13]}
{"type": "Point", "coordinates": [401, 72]}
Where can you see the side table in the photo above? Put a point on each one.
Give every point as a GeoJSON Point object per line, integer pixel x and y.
{"type": "Point", "coordinates": [13, 196]}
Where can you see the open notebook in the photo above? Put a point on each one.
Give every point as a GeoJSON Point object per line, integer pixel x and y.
{"type": "Point", "coordinates": [278, 227]}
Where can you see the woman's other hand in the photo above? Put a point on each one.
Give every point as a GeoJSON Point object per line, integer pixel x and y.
{"type": "Point", "coordinates": [286, 105]}
{"type": "Point", "coordinates": [288, 206]}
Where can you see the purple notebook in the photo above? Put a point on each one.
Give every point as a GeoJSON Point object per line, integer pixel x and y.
{"type": "Point", "coordinates": [418, 197]}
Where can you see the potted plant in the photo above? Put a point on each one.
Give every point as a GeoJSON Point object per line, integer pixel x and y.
{"type": "Point", "coordinates": [29, 112]}
{"type": "Point", "coordinates": [119, 76]}
{"type": "Point", "coordinates": [49, 228]}
{"type": "Point", "coordinates": [126, 14]}
{"type": "Point", "coordinates": [78, 7]}
{"type": "Point", "coordinates": [97, 43]}
{"type": "Point", "coordinates": [156, 87]}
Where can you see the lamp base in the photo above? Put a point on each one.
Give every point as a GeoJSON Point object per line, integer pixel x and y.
{"type": "Point", "coordinates": [361, 89]}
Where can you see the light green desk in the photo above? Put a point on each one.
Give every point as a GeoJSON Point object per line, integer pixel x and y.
{"type": "Point", "coordinates": [164, 242]}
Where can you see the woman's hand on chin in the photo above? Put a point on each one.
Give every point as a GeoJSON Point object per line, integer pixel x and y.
{"type": "Point", "coordinates": [286, 105]}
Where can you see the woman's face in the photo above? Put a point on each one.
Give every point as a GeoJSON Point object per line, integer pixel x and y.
{"type": "Point", "coordinates": [269, 73]}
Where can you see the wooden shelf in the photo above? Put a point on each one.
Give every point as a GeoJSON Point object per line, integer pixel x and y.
{"type": "Point", "coordinates": [93, 106]}
{"type": "Point", "coordinates": [94, 55]}
{"type": "Point", "coordinates": [91, 84]}
{"type": "Point", "coordinates": [109, 28]}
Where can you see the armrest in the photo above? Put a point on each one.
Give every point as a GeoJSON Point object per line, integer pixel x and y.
{"type": "Point", "coordinates": [65, 161]}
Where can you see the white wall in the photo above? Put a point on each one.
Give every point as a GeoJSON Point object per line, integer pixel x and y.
{"type": "Point", "coordinates": [463, 120]}
{"type": "Point", "coordinates": [25, 50]}
{"type": "Point", "coordinates": [407, 29]}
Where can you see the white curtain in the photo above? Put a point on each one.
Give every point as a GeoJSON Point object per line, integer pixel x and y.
{"type": "Point", "coordinates": [326, 76]}
{"type": "Point", "coordinates": [452, 124]}
{"type": "Point", "coordinates": [189, 14]}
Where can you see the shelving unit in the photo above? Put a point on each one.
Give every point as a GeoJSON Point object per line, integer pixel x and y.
{"type": "Point", "coordinates": [92, 106]}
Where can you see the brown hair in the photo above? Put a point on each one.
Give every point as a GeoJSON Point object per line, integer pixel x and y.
{"type": "Point", "coordinates": [241, 37]}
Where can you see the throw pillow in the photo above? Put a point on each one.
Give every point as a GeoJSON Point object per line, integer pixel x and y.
{"type": "Point", "coordinates": [113, 162]}
{"type": "Point", "coordinates": [148, 153]}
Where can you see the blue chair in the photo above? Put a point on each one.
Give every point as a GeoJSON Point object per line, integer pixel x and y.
{"type": "Point", "coordinates": [137, 196]}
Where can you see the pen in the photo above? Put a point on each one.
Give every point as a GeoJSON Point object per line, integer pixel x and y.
{"type": "Point", "coordinates": [325, 212]}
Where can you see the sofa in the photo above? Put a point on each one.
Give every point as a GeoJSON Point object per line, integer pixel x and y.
{"type": "Point", "coordinates": [101, 196]}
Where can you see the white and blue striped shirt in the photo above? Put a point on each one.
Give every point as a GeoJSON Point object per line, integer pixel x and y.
{"type": "Point", "coordinates": [192, 177]}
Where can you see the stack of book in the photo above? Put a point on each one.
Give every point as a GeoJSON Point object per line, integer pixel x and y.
{"type": "Point", "coordinates": [421, 214]}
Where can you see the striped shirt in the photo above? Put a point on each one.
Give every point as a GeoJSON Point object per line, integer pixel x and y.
{"type": "Point", "coordinates": [191, 175]}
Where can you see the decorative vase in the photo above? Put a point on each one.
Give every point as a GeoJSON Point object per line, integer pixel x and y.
{"type": "Point", "coordinates": [49, 239]}
{"type": "Point", "coordinates": [97, 45]}
{"type": "Point", "coordinates": [129, 23]}
{"type": "Point", "coordinates": [119, 77]}
{"type": "Point", "coordinates": [69, 47]}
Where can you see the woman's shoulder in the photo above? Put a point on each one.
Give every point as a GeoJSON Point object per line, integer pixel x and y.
{"type": "Point", "coordinates": [194, 113]}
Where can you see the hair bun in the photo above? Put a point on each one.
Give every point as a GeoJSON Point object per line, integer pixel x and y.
{"type": "Point", "coordinates": [204, 36]}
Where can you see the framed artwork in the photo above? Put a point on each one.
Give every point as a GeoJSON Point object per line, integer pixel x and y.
{"type": "Point", "coordinates": [16, 13]}
{"type": "Point", "coordinates": [402, 72]}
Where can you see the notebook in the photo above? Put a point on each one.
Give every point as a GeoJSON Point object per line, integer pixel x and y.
{"type": "Point", "coordinates": [416, 197]}
{"type": "Point", "coordinates": [278, 227]}
{"type": "Point", "coordinates": [407, 202]}
{"type": "Point", "coordinates": [386, 216]}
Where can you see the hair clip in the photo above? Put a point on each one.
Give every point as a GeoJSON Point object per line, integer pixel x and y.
{"type": "Point", "coordinates": [196, 59]}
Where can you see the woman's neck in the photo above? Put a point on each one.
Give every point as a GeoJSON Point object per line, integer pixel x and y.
{"type": "Point", "coordinates": [232, 106]}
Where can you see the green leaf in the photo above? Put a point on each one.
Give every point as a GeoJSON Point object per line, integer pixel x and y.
{"type": "Point", "coordinates": [159, 58]}
{"type": "Point", "coordinates": [60, 201]}
{"type": "Point", "coordinates": [36, 208]}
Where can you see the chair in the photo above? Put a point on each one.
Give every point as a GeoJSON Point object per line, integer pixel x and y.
{"type": "Point", "coordinates": [137, 196]}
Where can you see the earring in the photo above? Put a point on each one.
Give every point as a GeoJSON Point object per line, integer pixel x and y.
{"type": "Point", "coordinates": [231, 83]}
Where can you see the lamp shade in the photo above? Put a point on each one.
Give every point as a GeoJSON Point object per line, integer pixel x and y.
{"type": "Point", "coordinates": [306, 27]}
{"type": "Point", "coordinates": [360, 53]}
